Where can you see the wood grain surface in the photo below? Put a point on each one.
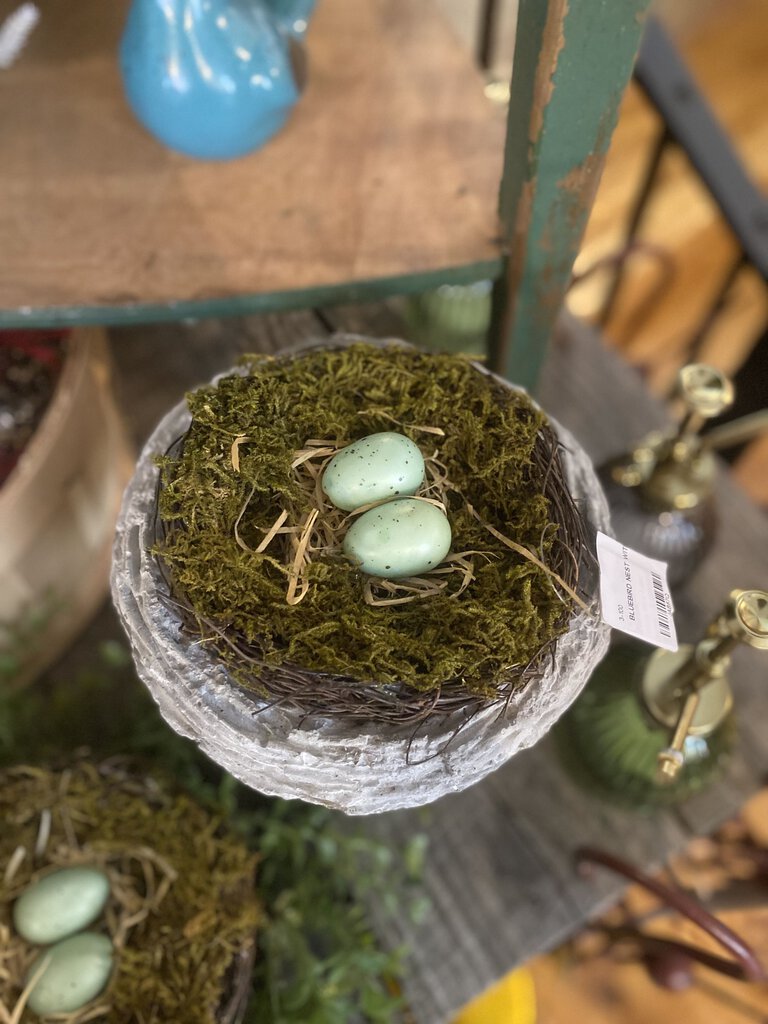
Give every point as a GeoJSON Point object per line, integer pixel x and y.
{"type": "Point", "coordinates": [388, 166]}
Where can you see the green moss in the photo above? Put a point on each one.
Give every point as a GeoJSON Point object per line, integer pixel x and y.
{"type": "Point", "coordinates": [506, 616]}
{"type": "Point", "coordinates": [175, 963]}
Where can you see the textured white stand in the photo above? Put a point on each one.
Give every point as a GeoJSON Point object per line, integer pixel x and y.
{"type": "Point", "coordinates": [356, 769]}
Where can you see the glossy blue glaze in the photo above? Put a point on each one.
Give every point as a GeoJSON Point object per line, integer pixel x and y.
{"type": "Point", "coordinates": [212, 78]}
{"type": "Point", "coordinates": [292, 15]}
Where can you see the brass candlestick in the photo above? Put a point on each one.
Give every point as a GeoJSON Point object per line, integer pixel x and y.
{"type": "Point", "coordinates": [696, 696]}
{"type": "Point", "coordinates": [661, 492]}
{"type": "Point", "coordinates": [652, 730]}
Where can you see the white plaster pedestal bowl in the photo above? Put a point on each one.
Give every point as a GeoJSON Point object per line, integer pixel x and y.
{"type": "Point", "coordinates": [355, 768]}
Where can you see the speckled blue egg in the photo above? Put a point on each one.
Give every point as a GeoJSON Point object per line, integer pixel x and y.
{"type": "Point", "coordinates": [405, 537]}
{"type": "Point", "coordinates": [78, 970]}
{"type": "Point", "coordinates": [60, 904]}
{"type": "Point", "coordinates": [375, 467]}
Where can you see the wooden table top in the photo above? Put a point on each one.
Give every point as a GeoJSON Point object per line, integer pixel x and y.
{"type": "Point", "coordinates": [388, 167]}
{"type": "Point", "coordinates": [499, 873]}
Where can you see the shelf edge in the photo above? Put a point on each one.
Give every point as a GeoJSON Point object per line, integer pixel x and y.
{"type": "Point", "coordinates": [239, 305]}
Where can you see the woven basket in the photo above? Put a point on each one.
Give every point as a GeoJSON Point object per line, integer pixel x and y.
{"type": "Point", "coordinates": [58, 509]}
{"type": "Point", "coordinates": [355, 768]}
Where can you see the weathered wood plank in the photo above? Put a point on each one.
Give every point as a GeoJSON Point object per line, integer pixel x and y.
{"type": "Point", "coordinates": [387, 170]}
{"type": "Point", "coordinates": [572, 63]}
{"type": "Point", "coordinates": [501, 878]}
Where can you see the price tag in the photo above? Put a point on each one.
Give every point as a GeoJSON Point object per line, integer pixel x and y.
{"type": "Point", "coordinates": [634, 594]}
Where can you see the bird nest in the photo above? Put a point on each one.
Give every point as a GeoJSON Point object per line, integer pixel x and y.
{"type": "Point", "coordinates": [250, 548]}
{"type": "Point", "coordinates": [182, 912]}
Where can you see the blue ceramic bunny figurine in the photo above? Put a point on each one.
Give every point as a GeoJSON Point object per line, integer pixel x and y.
{"type": "Point", "coordinates": [214, 79]}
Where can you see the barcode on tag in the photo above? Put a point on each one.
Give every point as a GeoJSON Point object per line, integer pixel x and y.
{"type": "Point", "coordinates": [634, 594]}
{"type": "Point", "coordinates": [662, 612]}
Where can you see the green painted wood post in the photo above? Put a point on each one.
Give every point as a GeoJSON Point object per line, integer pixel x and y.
{"type": "Point", "coordinates": [573, 59]}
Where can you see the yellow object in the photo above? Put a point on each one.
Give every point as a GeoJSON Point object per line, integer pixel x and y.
{"type": "Point", "coordinates": [510, 1001]}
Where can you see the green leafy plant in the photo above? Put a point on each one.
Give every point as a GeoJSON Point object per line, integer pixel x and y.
{"type": "Point", "coordinates": [320, 961]}
{"type": "Point", "coordinates": [20, 636]}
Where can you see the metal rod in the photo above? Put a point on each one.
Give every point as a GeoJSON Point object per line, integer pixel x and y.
{"type": "Point", "coordinates": [739, 431]}
{"type": "Point", "coordinates": [716, 307]}
{"type": "Point", "coordinates": [747, 965]}
{"type": "Point", "coordinates": [684, 722]}
{"type": "Point", "coordinates": [690, 672]}
{"type": "Point", "coordinates": [665, 79]}
{"type": "Point", "coordinates": [489, 10]}
{"type": "Point", "coordinates": [672, 758]}
{"type": "Point", "coordinates": [635, 217]}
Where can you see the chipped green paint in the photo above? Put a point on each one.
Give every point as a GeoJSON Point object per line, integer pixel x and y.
{"type": "Point", "coordinates": [572, 63]}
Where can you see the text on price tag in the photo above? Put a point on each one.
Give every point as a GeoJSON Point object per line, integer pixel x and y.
{"type": "Point", "coordinates": [634, 594]}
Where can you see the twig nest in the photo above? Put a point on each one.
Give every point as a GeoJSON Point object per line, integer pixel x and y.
{"type": "Point", "coordinates": [319, 681]}
{"type": "Point", "coordinates": [166, 927]}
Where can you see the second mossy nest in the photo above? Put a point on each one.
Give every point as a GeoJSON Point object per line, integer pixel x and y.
{"type": "Point", "coordinates": [182, 913]}
{"type": "Point", "coordinates": [234, 476]}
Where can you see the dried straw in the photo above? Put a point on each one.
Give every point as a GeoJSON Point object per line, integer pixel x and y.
{"type": "Point", "coordinates": [321, 531]}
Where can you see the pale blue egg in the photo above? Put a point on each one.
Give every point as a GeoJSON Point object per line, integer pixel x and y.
{"type": "Point", "coordinates": [78, 970]}
{"type": "Point", "coordinates": [375, 467]}
{"type": "Point", "coordinates": [405, 537]}
{"type": "Point", "coordinates": [60, 904]}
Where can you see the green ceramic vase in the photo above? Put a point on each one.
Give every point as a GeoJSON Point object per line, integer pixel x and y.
{"type": "Point", "coordinates": [610, 742]}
